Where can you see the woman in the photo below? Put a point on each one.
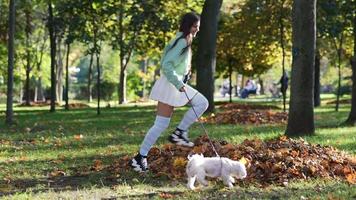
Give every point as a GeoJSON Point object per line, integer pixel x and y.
{"type": "Point", "coordinates": [171, 90]}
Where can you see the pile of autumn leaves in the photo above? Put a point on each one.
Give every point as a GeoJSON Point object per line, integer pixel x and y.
{"type": "Point", "coordinates": [276, 161]}
{"type": "Point", "coordinates": [246, 114]}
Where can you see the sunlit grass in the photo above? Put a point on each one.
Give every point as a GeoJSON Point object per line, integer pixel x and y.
{"type": "Point", "coordinates": [42, 142]}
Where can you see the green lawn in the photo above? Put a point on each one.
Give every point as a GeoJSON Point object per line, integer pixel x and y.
{"type": "Point", "coordinates": [43, 144]}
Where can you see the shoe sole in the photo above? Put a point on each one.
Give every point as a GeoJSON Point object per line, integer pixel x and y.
{"type": "Point", "coordinates": [180, 143]}
{"type": "Point", "coordinates": [136, 167]}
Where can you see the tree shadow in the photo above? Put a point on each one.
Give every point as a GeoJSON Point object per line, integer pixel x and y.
{"type": "Point", "coordinates": [84, 177]}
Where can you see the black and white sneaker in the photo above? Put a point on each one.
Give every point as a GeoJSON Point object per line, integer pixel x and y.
{"type": "Point", "coordinates": [139, 163]}
{"type": "Point", "coordinates": [180, 137]}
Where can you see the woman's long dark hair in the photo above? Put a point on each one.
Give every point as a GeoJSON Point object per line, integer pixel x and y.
{"type": "Point", "coordinates": [187, 21]}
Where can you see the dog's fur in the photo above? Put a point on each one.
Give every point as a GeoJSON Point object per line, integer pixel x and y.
{"type": "Point", "coordinates": [199, 166]}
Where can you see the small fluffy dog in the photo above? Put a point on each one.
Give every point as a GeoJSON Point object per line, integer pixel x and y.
{"type": "Point", "coordinates": [199, 166]}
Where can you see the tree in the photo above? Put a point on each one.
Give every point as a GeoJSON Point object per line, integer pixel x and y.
{"type": "Point", "coordinates": [282, 43]}
{"type": "Point", "coordinates": [206, 55]}
{"type": "Point", "coordinates": [4, 32]}
{"type": "Point", "coordinates": [334, 26]}
{"type": "Point", "coordinates": [130, 20]}
{"type": "Point", "coordinates": [317, 80]}
{"type": "Point", "coordinates": [301, 109]}
{"type": "Point", "coordinates": [351, 120]}
{"type": "Point", "coordinates": [241, 48]}
{"type": "Point", "coordinates": [52, 36]}
{"type": "Point", "coordinates": [28, 67]}
{"type": "Point", "coordinates": [68, 42]}
{"type": "Point", "coordinates": [10, 71]}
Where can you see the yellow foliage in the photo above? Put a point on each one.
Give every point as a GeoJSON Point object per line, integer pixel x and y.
{"type": "Point", "coordinates": [243, 161]}
{"type": "Point", "coordinates": [179, 162]}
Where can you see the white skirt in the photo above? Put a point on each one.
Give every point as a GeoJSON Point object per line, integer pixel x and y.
{"type": "Point", "coordinates": [165, 92]}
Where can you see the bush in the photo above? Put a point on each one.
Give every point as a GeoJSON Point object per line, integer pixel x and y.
{"type": "Point", "coordinates": [107, 90]}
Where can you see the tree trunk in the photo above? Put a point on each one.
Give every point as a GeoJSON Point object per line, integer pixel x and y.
{"type": "Point", "coordinates": [339, 76]}
{"type": "Point", "coordinates": [97, 53]}
{"type": "Point", "coordinates": [351, 120]}
{"type": "Point", "coordinates": [98, 81]}
{"type": "Point", "coordinates": [281, 29]}
{"type": "Point", "coordinates": [10, 67]}
{"type": "Point", "coordinates": [230, 82]}
{"type": "Point", "coordinates": [27, 86]}
{"type": "Point", "coordinates": [28, 57]}
{"type": "Point", "coordinates": [122, 87]}
{"type": "Point", "coordinates": [20, 92]}
{"type": "Point", "coordinates": [144, 64]}
{"type": "Point", "coordinates": [39, 95]}
{"type": "Point", "coordinates": [317, 81]}
{"type": "Point", "coordinates": [301, 109]}
{"type": "Point", "coordinates": [122, 76]}
{"type": "Point", "coordinates": [53, 56]}
{"type": "Point", "coordinates": [67, 78]}
{"type": "Point", "coordinates": [206, 58]}
{"type": "Point", "coordinates": [262, 91]}
{"type": "Point", "coordinates": [90, 76]}
{"type": "Point", "coordinates": [243, 80]}
{"type": "Point", "coordinates": [59, 85]}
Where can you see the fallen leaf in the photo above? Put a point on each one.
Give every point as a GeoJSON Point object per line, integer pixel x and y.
{"type": "Point", "coordinates": [351, 178]}
{"type": "Point", "coordinates": [78, 137]}
{"type": "Point", "coordinates": [180, 162]}
{"type": "Point", "coordinates": [165, 195]}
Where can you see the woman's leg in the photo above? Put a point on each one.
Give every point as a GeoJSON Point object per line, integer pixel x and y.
{"type": "Point", "coordinates": [199, 104]}
{"type": "Point", "coordinates": [180, 136]}
{"type": "Point", "coordinates": [164, 112]}
{"type": "Point", "coordinates": [163, 117]}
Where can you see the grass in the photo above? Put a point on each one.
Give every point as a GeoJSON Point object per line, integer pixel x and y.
{"type": "Point", "coordinates": [44, 143]}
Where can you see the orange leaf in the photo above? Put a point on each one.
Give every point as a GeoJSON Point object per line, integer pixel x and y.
{"type": "Point", "coordinates": [351, 178]}
{"type": "Point", "coordinates": [228, 147]}
{"type": "Point", "coordinates": [347, 170]}
{"type": "Point", "coordinates": [283, 138]}
{"type": "Point", "coordinates": [57, 173]}
{"type": "Point", "coordinates": [78, 137]}
{"type": "Point", "coordinates": [98, 165]}
{"type": "Point", "coordinates": [165, 195]}
{"type": "Point", "coordinates": [154, 151]}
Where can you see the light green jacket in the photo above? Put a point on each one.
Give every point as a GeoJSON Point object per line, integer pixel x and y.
{"type": "Point", "coordinates": [174, 65]}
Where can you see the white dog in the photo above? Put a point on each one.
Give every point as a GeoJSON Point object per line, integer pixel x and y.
{"type": "Point", "coordinates": [198, 167]}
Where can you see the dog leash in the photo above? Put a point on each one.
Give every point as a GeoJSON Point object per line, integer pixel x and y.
{"type": "Point", "coordinates": [202, 125]}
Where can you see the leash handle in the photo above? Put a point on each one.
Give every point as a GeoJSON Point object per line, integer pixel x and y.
{"type": "Point", "coordinates": [202, 125]}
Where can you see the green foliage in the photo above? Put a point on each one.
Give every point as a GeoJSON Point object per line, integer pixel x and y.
{"type": "Point", "coordinates": [334, 25]}
{"type": "Point", "coordinates": [3, 36]}
{"type": "Point", "coordinates": [249, 36]}
{"type": "Point", "coordinates": [107, 89]}
{"type": "Point", "coordinates": [134, 85]}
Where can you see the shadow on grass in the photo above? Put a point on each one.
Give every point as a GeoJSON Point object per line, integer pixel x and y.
{"type": "Point", "coordinates": [82, 177]}
{"type": "Point", "coordinates": [307, 191]}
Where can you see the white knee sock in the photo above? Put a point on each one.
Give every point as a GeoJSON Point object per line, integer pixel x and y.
{"type": "Point", "coordinates": [160, 124]}
{"type": "Point", "coordinates": [200, 104]}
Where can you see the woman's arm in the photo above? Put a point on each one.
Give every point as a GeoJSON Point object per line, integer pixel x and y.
{"type": "Point", "coordinates": [171, 59]}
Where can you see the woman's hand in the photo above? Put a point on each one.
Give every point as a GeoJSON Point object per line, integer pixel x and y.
{"type": "Point", "coordinates": [182, 89]}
